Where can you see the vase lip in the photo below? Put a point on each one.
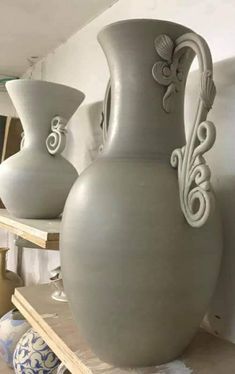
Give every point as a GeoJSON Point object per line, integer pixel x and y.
{"type": "Point", "coordinates": [14, 82]}
{"type": "Point", "coordinates": [140, 21]}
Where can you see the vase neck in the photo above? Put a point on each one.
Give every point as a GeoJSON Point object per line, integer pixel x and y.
{"type": "Point", "coordinates": [35, 133]}
{"type": "Point", "coordinates": [37, 103]}
{"type": "Point", "coordinates": [3, 252]}
{"type": "Point", "coordinates": [139, 126]}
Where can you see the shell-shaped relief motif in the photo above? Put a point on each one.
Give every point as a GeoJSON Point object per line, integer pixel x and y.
{"type": "Point", "coordinates": [164, 47]}
{"type": "Point", "coordinates": [168, 72]}
{"type": "Point", "coordinates": [56, 140]}
{"type": "Point", "coordinates": [196, 197]}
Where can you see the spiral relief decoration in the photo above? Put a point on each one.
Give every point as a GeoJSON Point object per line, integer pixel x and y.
{"type": "Point", "coordinates": [194, 174]}
{"type": "Point", "coordinates": [56, 140]}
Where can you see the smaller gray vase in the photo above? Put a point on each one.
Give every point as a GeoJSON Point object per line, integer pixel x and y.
{"type": "Point", "coordinates": [35, 182]}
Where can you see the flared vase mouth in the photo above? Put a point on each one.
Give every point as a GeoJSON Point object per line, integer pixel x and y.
{"type": "Point", "coordinates": [39, 101]}
{"type": "Point", "coordinates": [24, 83]}
{"type": "Point", "coordinates": [140, 21]}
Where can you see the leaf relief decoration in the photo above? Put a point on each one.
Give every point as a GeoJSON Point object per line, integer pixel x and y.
{"type": "Point", "coordinates": [195, 192]}
{"type": "Point", "coordinates": [168, 72]}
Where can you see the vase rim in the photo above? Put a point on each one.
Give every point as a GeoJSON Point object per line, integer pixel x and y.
{"type": "Point", "coordinates": [24, 81]}
{"type": "Point", "coordinates": [140, 21]}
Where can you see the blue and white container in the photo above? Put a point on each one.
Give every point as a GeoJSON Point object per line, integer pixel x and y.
{"type": "Point", "coordinates": [33, 356]}
{"type": "Point", "coordinates": [12, 327]}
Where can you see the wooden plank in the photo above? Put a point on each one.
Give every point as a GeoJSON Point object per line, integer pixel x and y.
{"type": "Point", "coordinates": [12, 137]}
{"type": "Point", "coordinates": [44, 233]}
{"type": "Point", "coordinates": [208, 354]}
{"type": "Point", "coordinates": [53, 320]}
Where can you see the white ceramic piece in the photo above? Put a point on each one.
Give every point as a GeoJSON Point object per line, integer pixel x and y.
{"type": "Point", "coordinates": [35, 182]}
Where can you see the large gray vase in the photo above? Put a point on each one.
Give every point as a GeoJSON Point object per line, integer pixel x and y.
{"type": "Point", "coordinates": [35, 182]}
{"type": "Point", "coordinates": [141, 243]}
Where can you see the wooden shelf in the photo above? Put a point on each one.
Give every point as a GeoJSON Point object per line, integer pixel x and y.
{"type": "Point", "coordinates": [53, 320]}
{"type": "Point", "coordinates": [44, 233]}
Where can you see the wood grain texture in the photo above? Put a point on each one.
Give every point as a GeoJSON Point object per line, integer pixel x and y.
{"type": "Point", "coordinates": [53, 320]}
{"type": "Point", "coordinates": [44, 233]}
{"type": "Point", "coordinates": [12, 137]}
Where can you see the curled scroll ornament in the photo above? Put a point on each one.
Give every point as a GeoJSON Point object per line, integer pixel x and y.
{"type": "Point", "coordinates": [196, 196]}
{"type": "Point", "coordinates": [56, 140]}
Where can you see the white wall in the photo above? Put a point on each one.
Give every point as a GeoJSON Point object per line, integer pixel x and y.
{"type": "Point", "coordinates": [80, 63]}
{"type": "Point", "coordinates": [6, 106]}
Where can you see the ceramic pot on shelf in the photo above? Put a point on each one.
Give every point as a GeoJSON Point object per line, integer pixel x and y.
{"type": "Point", "coordinates": [35, 182]}
{"type": "Point", "coordinates": [58, 293]}
{"type": "Point", "coordinates": [141, 248]}
{"type": "Point", "coordinates": [12, 326]}
{"type": "Point", "coordinates": [8, 282]}
{"type": "Point", "coordinates": [32, 355]}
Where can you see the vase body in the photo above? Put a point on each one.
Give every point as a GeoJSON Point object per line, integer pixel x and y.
{"type": "Point", "coordinates": [32, 355]}
{"type": "Point", "coordinates": [12, 326]}
{"type": "Point", "coordinates": [36, 180]}
{"type": "Point", "coordinates": [221, 316]}
{"type": "Point", "coordinates": [8, 282]}
{"type": "Point", "coordinates": [138, 277]}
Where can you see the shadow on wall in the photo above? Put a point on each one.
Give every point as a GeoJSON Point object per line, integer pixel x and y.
{"type": "Point", "coordinates": [85, 135]}
{"type": "Point", "coordinates": [221, 159]}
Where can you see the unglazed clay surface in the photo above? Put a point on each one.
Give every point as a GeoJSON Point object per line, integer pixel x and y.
{"type": "Point", "coordinates": [36, 181]}
{"type": "Point", "coordinates": [221, 316]}
{"type": "Point", "coordinates": [138, 272]}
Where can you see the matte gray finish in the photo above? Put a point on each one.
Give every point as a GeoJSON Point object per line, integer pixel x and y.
{"type": "Point", "coordinates": [35, 182]}
{"type": "Point", "coordinates": [138, 276]}
{"type": "Point", "coordinates": [221, 316]}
